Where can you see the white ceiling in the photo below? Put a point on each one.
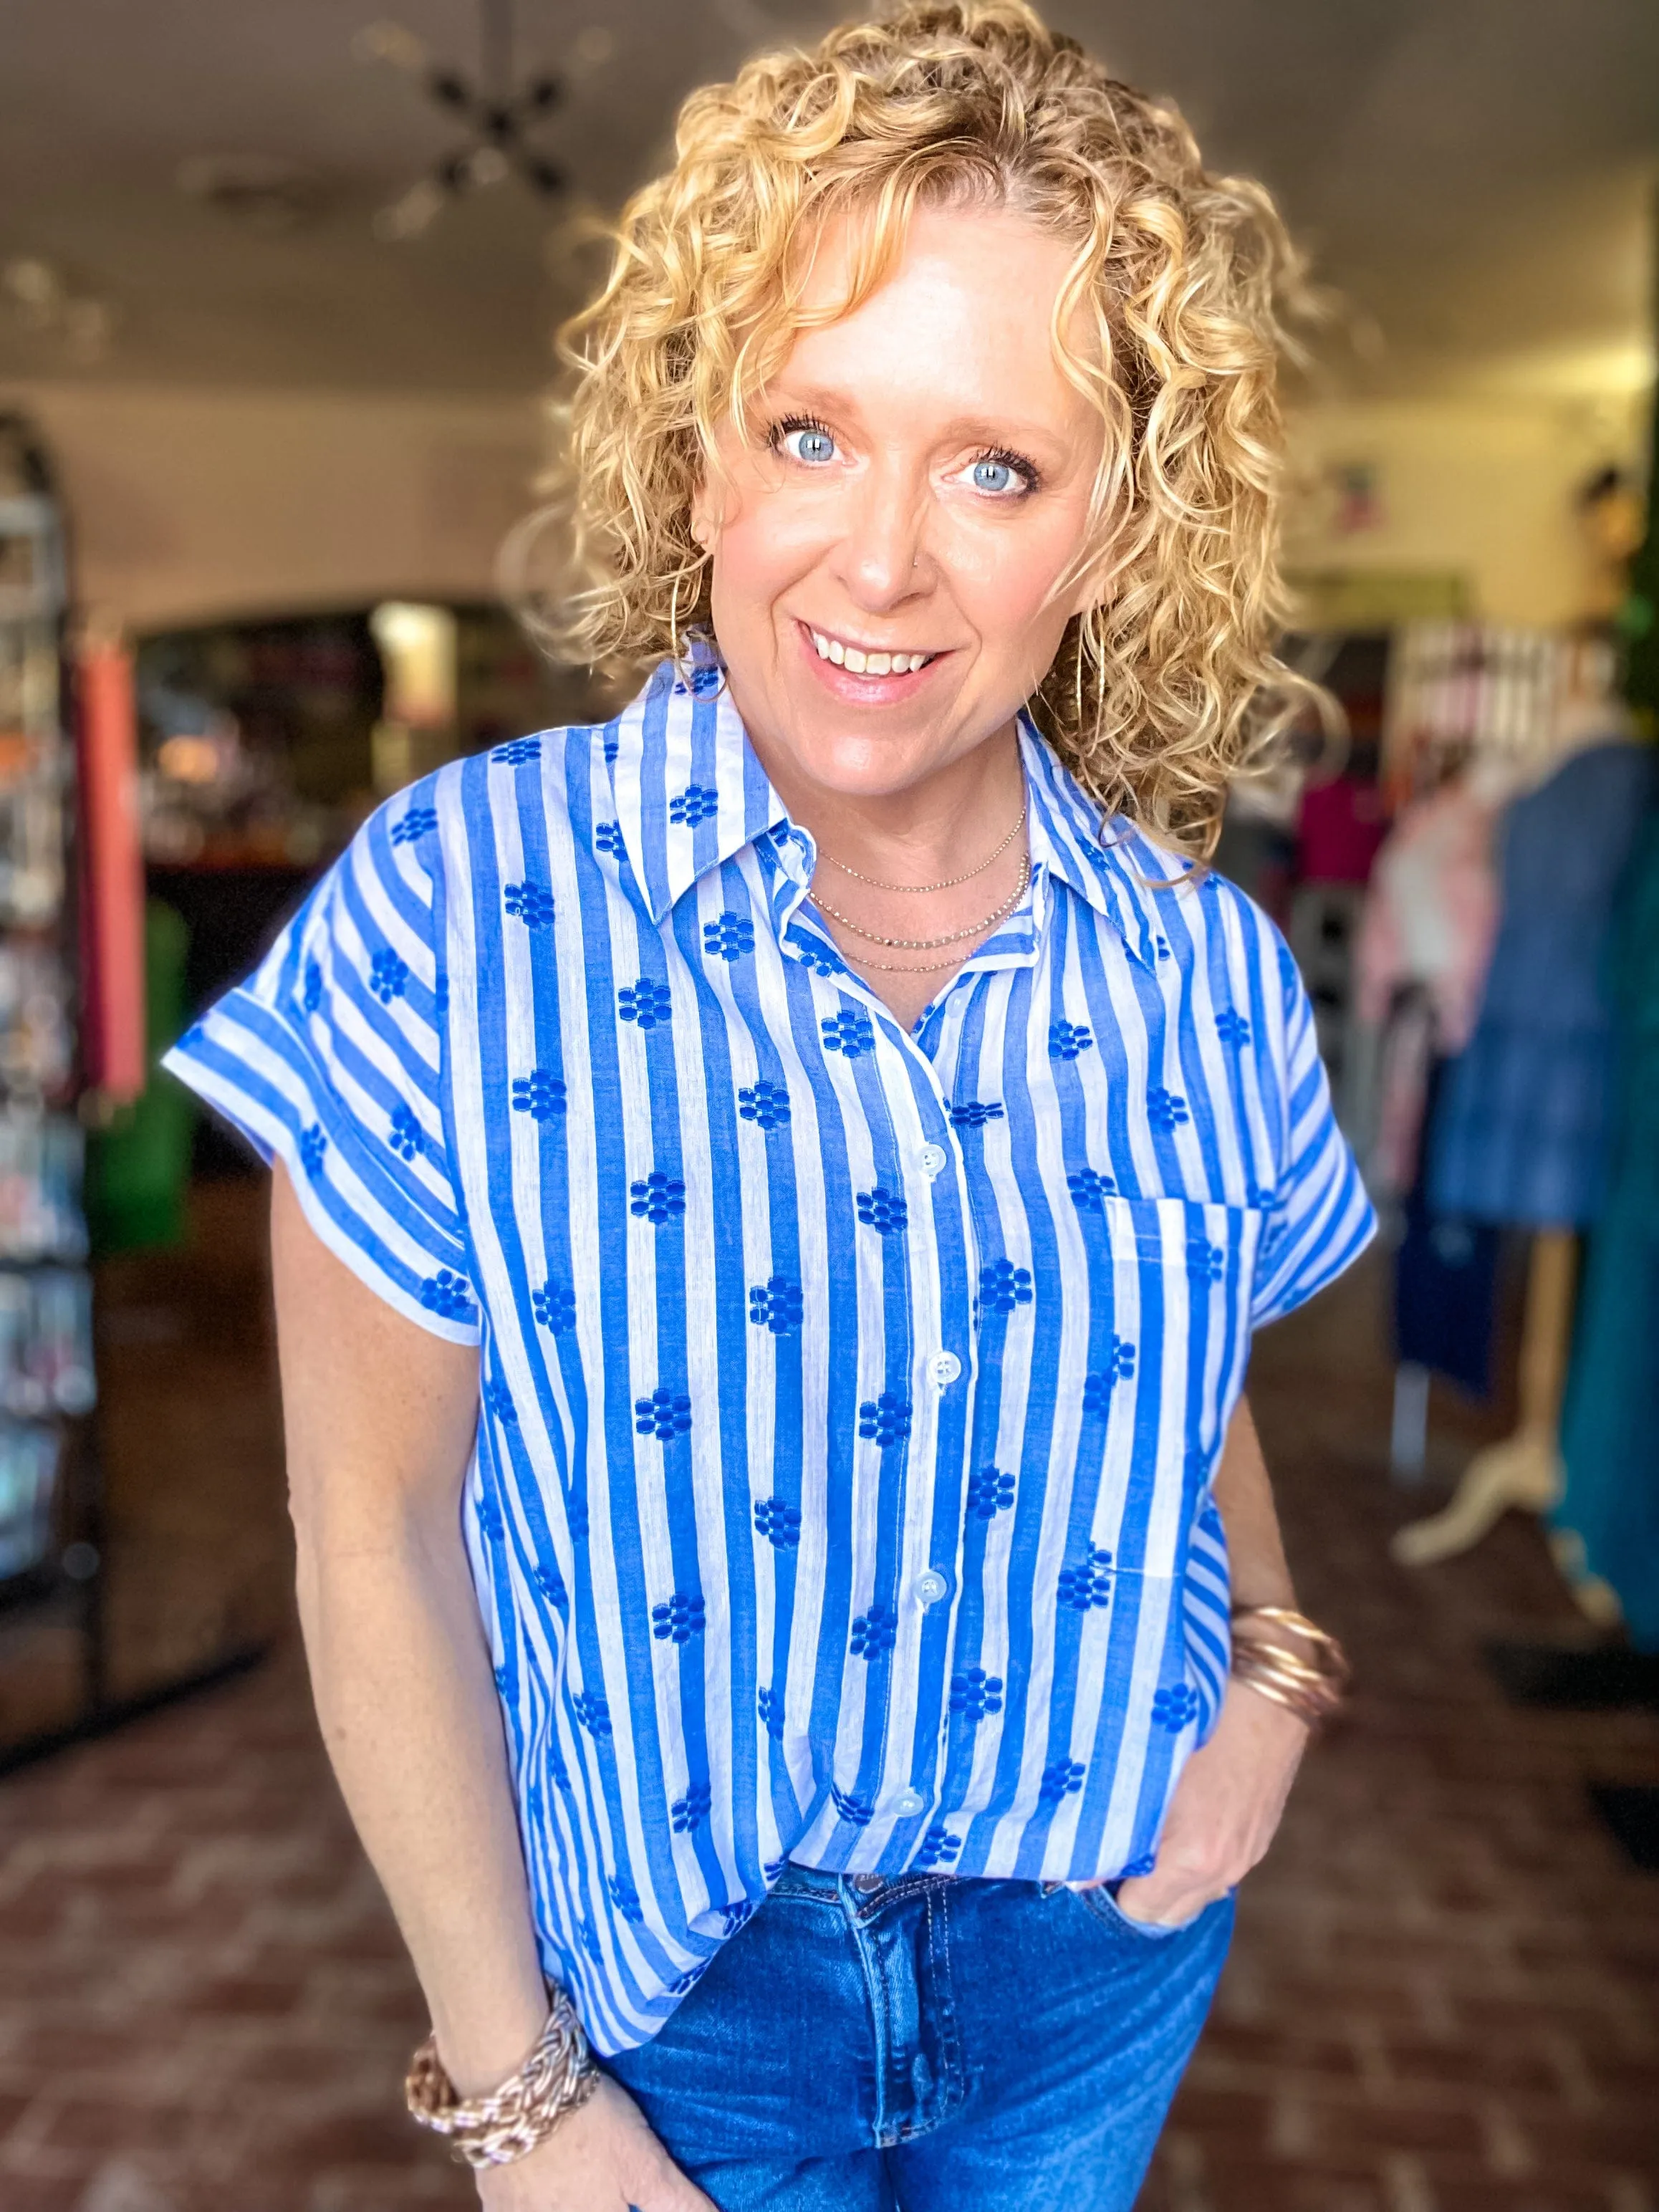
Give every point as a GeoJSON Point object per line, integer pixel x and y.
{"type": "Point", "coordinates": [1474, 175]}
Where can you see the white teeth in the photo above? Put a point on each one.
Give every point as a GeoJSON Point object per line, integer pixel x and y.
{"type": "Point", "coordinates": [866, 664]}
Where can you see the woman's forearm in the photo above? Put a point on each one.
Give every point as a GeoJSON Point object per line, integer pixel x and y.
{"type": "Point", "coordinates": [408, 1708]}
{"type": "Point", "coordinates": [381, 1417]}
{"type": "Point", "coordinates": [1244, 1498]}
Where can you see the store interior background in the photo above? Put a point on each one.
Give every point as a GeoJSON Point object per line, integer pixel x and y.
{"type": "Point", "coordinates": [292, 407]}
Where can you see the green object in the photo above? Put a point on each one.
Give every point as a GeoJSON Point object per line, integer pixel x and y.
{"type": "Point", "coordinates": [1637, 625]}
{"type": "Point", "coordinates": [1610, 1426]}
{"type": "Point", "coordinates": [138, 1168]}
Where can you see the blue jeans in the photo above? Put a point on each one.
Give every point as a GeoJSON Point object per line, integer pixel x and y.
{"type": "Point", "coordinates": [929, 2044]}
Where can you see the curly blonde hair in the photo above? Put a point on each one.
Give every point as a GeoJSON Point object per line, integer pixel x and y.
{"type": "Point", "coordinates": [1169, 685]}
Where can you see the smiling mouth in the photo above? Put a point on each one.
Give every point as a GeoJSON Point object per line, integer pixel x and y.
{"type": "Point", "coordinates": [859, 660]}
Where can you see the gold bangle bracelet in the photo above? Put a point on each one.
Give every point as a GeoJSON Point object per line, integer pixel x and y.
{"type": "Point", "coordinates": [559, 2075]}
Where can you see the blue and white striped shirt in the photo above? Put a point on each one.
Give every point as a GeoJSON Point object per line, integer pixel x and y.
{"type": "Point", "coordinates": [850, 1397]}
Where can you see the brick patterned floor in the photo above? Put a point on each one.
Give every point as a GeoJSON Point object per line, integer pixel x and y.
{"type": "Point", "coordinates": [1444, 1995]}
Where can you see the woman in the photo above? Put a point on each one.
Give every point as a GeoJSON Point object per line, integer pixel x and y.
{"type": "Point", "coordinates": [773, 1194]}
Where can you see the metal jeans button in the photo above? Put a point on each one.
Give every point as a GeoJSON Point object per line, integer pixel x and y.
{"type": "Point", "coordinates": [867, 1884]}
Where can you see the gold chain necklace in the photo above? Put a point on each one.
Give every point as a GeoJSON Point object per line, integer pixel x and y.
{"type": "Point", "coordinates": [935, 967]}
{"type": "Point", "coordinates": [931, 944]}
{"type": "Point", "coordinates": [949, 883]}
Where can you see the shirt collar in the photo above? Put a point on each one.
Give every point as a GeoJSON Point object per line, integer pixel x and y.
{"type": "Point", "coordinates": [691, 792]}
{"type": "Point", "coordinates": [690, 789]}
{"type": "Point", "coordinates": [1110, 864]}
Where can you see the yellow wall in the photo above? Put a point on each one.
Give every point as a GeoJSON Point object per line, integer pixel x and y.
{"type": "Point", "coordinates": [1479, 486]}
{"type": "Point", "coordinates": [186, 505]}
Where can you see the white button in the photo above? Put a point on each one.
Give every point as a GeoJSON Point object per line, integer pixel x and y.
{"type": "Point", "coordinates": [945, 1367]}
{"type": "Point", "coordinates": [931, 1587]}
{"type": "Point", "coordinates": [910, 1804]}
{"type": "Point", "coordinates": [933, 1157]}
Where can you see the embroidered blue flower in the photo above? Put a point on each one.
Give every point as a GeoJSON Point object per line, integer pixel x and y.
{"type": "Point", "coordinates": [733, 1917]}
{"type": "Point", "coordinates": [499, 1399]}
{"type": "Point", "coordinates": [550, 1583]}
{"type": "Point", "coordinates": [1231, 1027]}
{"type": "Point", "coordinates": [698, 802]}
{"type": "Point", "coordinates": [646, 1003]}
{"type": "Point", "coordinates": [1119, 1366]}
{"type": "Point", "coordinates": [624, 1897]}
{"type": "Point", "coordinates": [388, 976]}
{"type": "Point", "coordinates": [491, 1527]}
{"type": "Point", "coordinates": [1067, 1039]}
{"type": "Point", "coordinates": [938, 1845]}
{"type": "Point", "coordinates": [990, 1491]}
{"type": "Point", "coordinates": [530, 903]}
{"type": "Point", "coordinates": [1166, 1109]}
{"type": "Point", "coordinates": [883, 1211]}
{"type": "Point", "coordinates": [874, 1633]}
{"type": "Point", "coordinates": [540, 1094]}
{"type": "Point", "coordinates": [1002, 1287]}
{"type": "Point", "coordinates": [815, 952]}
{"type": "Point", "coordinates": [312, 997]}
{"type": "Point", "coordinates": [519, 751]}
{"type": "Point", "coordinates": [1161, 947]}
{"type": "Point", "coordinates": [975, 1113]}
{"type": "Point", "coordinates": [778, 1522]}
{"type": "Point", "coordinates": [612, 744]}
{"type": "Point", "coordinates": [449, 1294]}
{"type": "Point", "coordinates": [1060, 1780]}
{"type": "Point", "coordinates": [1090, 1188]}
{"type": "Point", "coordinates": [771, 1712]}
{"type": "Point", "coordinates": [1089, 1583]}
{"type": "Point", "coordinates": [414, 822]}
{"type": "Point", "coordinates": [853, 1810]}
{"type": "Point", "coordinates": [773, 1869]}
{"type": "Point", "coordinates": [683, 1985]}
{"type": "Point", "coordinates": [850, 1032]}
{"type": "Point", "coordinates": [576, 1515]}
{"type": "Point", "coordinates": [689, 1812]}
{"type": "Point", "coordinates": [974, 1693]}
{"type": "Point", "coordinates": [405, 1136]}
{"type": "Point", "coordinates": [706, 679]}
{"type": "Point", "coordinates": [766, 1104]}
{"type": "Point", "coordinates": [730, 936]}
{"type": "Point", "coordinates": [312, 1146]}
{"type": "Point", "coordinates": [1205, 1261]}
{"type": "Point", "coordinates": [592, 1713]}
{"type": "Point", "coordinates": [885, 1419]}
{"type": "Point", "coordinates": [554, 1306]}
{"type": "Point", "coordinates": [608, 838]}
{"type": "Point", "coordinates": [778, 1304]}
{"type": "Point", "coordinates": [664, 1414]}
{"type": "Point", "coordinates": [504, 1680]}
{"type": "Point", "coordinates": [657, 1198]}
{"type": "Point", "coordinates": [1174, 1709]}
{"type": "Point", "coordinates": [678, 1618]}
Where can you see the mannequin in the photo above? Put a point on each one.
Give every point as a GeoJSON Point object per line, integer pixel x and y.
{"type": "Point", "coordinates": [1524, 1472]}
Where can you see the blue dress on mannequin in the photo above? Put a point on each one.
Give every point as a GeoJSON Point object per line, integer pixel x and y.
{"type": "Point", "coordinates": [1526, 1116]}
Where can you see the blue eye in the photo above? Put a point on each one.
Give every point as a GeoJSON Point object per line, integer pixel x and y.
{"type": "Point", "coordinates": [993, 476]}
{"type": "Point", "coordinates": [805, 442]}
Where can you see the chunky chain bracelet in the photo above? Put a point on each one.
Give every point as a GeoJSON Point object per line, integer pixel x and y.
{"type": "Point", "coordinates": [558, 2077]}
{"type": "Point", "coordinates": [1309, 1674]}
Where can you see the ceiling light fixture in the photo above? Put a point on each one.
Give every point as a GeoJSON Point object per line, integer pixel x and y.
{"type": "Point", "coordinates": [500, 117]}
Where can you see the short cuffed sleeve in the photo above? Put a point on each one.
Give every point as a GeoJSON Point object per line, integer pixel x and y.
{"type": "Point", "coordinates": [330, 1058]}
{"type": "Point", "coordinates": [1319, 1219]}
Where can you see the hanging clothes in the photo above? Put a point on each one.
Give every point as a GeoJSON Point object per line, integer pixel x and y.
{"type": "Point", "coordinates": [1524, 1132]}
{"type": "Point", "coordinates": [1425, 942]}
{"type": "Point", "coordinates": [1610, 1424]}
{"type": "Point", "coordinates": [1445, 1280]}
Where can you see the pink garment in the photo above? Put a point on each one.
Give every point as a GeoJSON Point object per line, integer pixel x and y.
{"type": "Point", "coordinates": [1430, 919]}
{"type": "Point", "coordinates": [1338, 831]}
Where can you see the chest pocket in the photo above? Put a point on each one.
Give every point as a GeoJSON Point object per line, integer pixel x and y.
{"type": "Point", "coordinates": [1167, 1363]}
